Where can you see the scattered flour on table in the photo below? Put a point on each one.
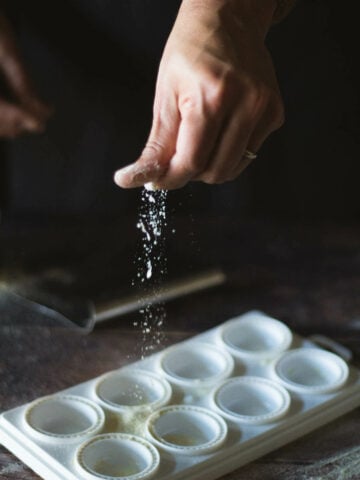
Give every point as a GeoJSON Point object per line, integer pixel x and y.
{"type": "Point", "coordinates": [151, 268]}
{"type": "Point", "coordinates": [12, 468]}
{"type": "Point", "coordinates": [342, 466]}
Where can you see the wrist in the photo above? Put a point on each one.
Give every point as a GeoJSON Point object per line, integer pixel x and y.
{"type": "Point", "coordinates": [256, 15]}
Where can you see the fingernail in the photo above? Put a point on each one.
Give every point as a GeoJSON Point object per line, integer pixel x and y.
{"type": "Point", "coordinates": [122, 176]}
{"type": "Point", "coordinates": [117, 177]}
{"type": "Point", "coordinates": [131, 175]}
{"type": "Point", "coordinates": [124, 170]}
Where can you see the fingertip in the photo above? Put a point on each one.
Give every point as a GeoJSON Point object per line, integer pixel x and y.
{"type": "Point", "coordinates": [118, 179]}
{"type": "Point", "coordinates": [139, 174]}
{"type": "Point", "coordinates": [127, 177]}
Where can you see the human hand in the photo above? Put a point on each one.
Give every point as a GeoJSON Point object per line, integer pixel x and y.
{"type": "Point", "coordinates": [20, 108]}
{"type": "Point", "coordinates": [216, 96]}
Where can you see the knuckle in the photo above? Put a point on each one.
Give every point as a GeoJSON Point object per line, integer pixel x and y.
{"type": "Point", "coordinates": [258, 97]}
{"type": "Point", "coordinates": [153, 147]}
{"type": "Point", "coordinates": [189, 105]}
{"type": "Point", "coordinates": [213, 178]}
{"type": "Point", "coordinates": [222, 88]}
{"type": "Point", "coordinates": [216, 88]}
{"type": "Point", "coordinates": [261, 98]}
{"type": "Point", "coordinates": [216, 92]}
{"type": "Point", "coordinates": [278, 112]}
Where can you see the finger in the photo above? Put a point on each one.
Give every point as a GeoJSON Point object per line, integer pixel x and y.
{"type": "Point", "coordinates": [159, 149]}
{"type": "Point", "coordinates": [271, 120]}
{"type": "Point", "coordinates": [256, 106]}
{"type": "Point", "coordinates": [196, 139]}
{"type": "Point", "coordinates": [230, 147]}
{"type": "Point", "coordinates": [14, 121]}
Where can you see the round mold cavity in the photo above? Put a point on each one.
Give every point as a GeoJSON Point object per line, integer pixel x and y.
{"type": "Point", "coordinates": [255, 337]}
{"type": "Point", "coordinates": [63, 418]}
{"type": "Point", "coordinates": [311, 370]}
{"type": "Point", "coordinates": [187, 430]}
{"type": "Point", "coordinates": [196, 364]}
{"type": "Point", "coordinates": [132, 389]}
{"type": "Point", "coordinates": [251, 400]}
{"type": "Point", "coordinates": [117, 456]}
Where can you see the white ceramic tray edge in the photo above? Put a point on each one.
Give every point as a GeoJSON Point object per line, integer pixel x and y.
{"type": "Point", "coordinates": [229, 463]}
{"type": "Point", "coordinates": [24, 451]}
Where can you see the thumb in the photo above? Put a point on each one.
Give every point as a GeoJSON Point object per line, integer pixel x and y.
{"type": "Point", "coordinates": [155, 158]}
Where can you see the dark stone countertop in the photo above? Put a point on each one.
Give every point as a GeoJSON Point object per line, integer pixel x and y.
{"type": "Point", "coordinates": [305, 275]}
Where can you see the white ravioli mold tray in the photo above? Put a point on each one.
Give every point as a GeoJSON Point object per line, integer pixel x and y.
{"type": "Point", "coordinates": [195, 411]}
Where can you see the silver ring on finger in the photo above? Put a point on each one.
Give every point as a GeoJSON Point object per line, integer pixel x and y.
{"type": "Point", "coordinates": [248, 155]}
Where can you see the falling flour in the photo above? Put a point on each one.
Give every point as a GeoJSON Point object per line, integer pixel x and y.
{"type": "Point", "coordinates": [151, 267]}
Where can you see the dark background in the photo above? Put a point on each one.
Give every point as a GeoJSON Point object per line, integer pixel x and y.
{"type": "Point", "coordinates": [96, 62]}
{"type": "Point", "coordinates": [286, 233]}
{"type": "Point", "coordinates": [68, 234]}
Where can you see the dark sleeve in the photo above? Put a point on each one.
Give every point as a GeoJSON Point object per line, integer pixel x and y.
{"type": "Point", "coordinates": [282, 9]}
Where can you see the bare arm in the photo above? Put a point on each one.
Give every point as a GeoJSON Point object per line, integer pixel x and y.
{"type": "Point", "coordinates": [217, 96]}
